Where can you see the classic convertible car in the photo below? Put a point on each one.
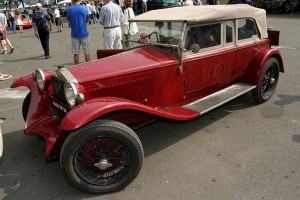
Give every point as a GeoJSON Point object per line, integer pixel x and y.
{"type": "Point", "coordinates": [184, 62]}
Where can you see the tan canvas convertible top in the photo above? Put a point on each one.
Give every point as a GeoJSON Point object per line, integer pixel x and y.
{"type": "Point", "coordinates": [206, 14]}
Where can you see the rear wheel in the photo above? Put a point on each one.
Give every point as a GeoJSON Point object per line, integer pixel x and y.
{"type": "Point", "coordinates": [25, 106]}
{"type": "Point", "coordinates": [268, 81]}
{"type": "Point", "coordinates": [101, 157]}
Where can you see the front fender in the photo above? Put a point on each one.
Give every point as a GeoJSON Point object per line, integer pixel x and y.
{"type": "Point", "coordinates": [252, 76]}
{"type": "Point", "coordinates": [95, 108]}
{"type": "Point", "coordinates": [22, 81]}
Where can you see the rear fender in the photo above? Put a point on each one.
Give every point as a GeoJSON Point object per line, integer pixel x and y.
{"type": "Point", "coordinates": [95, 108]}
{"type": "Point", "coordinates": [254, 71]}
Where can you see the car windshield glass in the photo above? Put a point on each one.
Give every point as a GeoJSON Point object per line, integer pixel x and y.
{"type": "Point", "coordinates": [165, 34]}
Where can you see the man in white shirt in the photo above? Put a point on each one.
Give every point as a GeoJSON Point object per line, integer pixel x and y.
{"type": "Point", "coordinates": [111, 17]}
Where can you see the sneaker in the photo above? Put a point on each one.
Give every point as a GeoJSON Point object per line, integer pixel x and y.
{"type": "Point", "coordinates": [12, 50]}
{"type": "Point", "coordinates": [4, 52]}
{"type": "Point", "coordinates": [47, 57]}
{"type": "Point", "coordinates": [4, 77]}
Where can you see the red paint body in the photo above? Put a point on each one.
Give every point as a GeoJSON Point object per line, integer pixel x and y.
{"type": "Point", "coordinates": [140, 84]}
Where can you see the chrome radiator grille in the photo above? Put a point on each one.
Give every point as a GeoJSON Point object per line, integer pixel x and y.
{"type": "Point", "coordinates": [58, 89]}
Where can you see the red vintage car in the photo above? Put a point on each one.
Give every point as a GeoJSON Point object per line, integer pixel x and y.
{"type": "Point", "coordinates": [184, 62]}
{"type": "Point", "coordinates": [26, 21]}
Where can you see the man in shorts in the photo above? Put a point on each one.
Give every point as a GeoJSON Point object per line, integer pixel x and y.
{"type": "Point", "coordinates": [77, 16]}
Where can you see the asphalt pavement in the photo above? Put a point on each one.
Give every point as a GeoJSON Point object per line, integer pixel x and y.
{"type": "Point", "coordinates": [241, 150]}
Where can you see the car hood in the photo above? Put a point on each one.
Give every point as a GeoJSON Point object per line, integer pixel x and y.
{"type": "Point", "coordinates": [134, 60]}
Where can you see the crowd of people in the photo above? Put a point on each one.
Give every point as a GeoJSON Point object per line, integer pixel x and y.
{"type": "Point", "coordinates": [113, 15]}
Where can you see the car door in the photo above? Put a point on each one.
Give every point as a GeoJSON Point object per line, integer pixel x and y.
{"type": "Point", "coordinates": [247, 36]}
{"type": "Point", "coordinates": [207, 64]}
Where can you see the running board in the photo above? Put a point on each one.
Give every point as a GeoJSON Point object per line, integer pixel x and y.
{"type": "Point", "coordinates": [219, 98]}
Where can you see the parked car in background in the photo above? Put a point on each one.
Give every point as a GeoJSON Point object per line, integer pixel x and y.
{"type": "Point", "coordinates": [182, 63]}
{"type": "Point", "coordinates": [26, 21]}
{"type": "Point", "coordinates": [158, 4]}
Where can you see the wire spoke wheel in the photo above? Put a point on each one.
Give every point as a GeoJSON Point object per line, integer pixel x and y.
{"type": "Point", "coordinates": [268, 81]}
{"type": "Point", "coordinates": [102, 161]}
{"type": "Point", "coordinates": [101, 157]}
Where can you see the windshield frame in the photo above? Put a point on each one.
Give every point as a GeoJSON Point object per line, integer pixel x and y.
{"type": "Point", "coordinates": [179, 46]}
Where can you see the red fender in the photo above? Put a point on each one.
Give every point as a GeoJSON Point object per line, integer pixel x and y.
{"type": "Point", "coordinates": [22, 81]}
{"type": "Point", "coordinates": [252, 76]}
{"type": "Point", "coordinates": [95, 108]}
{"type": "Point", "coordinates": [38, 121]}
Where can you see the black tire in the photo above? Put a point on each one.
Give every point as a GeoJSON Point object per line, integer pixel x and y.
{"type": "Point", "coordinates": [25, 106]}
{"type": "Point", "coordinates": [112, 146]}
{"type": "Point", "coordinates": [268, 81]}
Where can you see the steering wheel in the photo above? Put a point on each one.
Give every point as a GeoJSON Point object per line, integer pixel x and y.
{"type": "Point", "coordinates": [146, 38]}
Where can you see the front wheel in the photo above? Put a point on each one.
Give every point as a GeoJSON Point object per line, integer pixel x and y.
{"type": "Point", "coordinates": [268, 81]}
{"type": "Point", "coordinates": [101, 157]}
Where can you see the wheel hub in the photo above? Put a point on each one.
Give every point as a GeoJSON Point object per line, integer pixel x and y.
{"type": "Point", "coordinates": [103, 164]}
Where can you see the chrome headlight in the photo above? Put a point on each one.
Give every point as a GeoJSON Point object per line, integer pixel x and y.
{"type": "Point", "coordinates": [70, 93]}
{"type": "Point", "coordinates": [40, 79]}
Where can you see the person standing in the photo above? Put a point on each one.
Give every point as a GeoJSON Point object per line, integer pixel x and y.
{"type": "Point", "coordinates": [3, 32]}
{"type": "Point", "coordinates": [111, 17]}
{"type": "Point", "coordinates": [12, 20]}
{"type": "Point", "coordinates": [56, 15]}
{"type": "Point", "coordinates": [42, 25]}
{"type": "Point", "coordinates": [136, 6]}
{"type": "Point", "coordinates": [18, 20]}
{"type": "Point", "coordinates": [94, 12]}
{"type": "Point", "coordinates": [89, 7]}
{"type": "Point", "coordinates": [144, 5]}
{"type": "Point", "coordinates": [77, 18]}
{"type": "Point", "coordinates": [129, 14]}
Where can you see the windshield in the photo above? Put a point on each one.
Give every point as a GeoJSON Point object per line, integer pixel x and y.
{"type": "Point", "coordinates": [161, 34]}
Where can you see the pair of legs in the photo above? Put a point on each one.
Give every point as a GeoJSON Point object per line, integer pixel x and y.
{"type": "Point", "coordinates": [3, 45]}
{"type": "Point", "coordinates": [44, 38]}
{"type": "Point", "coordinates": [144, 7]}
{"type": "Point", "coordinates": [13, 24]}
{"type": "Point", "coordinates": [136, 8]}
{"type": "Point", "coordinates": [21, 28]}
{"type": "Point", "coordinates": [94, 17]}
{"type": "Point", "coordinates": [58, 24]}
{"type": "Point", "coordinates": [112, 38]}
{"type": "Point", "coordinates": [5, 38]}
{"type": "Point", "coordinates": [86, 48]}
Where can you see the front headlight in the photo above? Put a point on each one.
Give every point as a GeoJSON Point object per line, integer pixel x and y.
{"type": "Point", "coordinates": [70, 93]}
{"type": "Point", "coordinates": [40, 79]}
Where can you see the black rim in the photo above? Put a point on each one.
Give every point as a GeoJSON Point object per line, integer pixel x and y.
{"type": "Point", "coordinates": [269, 81]}
{"type": "Point", "coordinates": [102, 161]}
